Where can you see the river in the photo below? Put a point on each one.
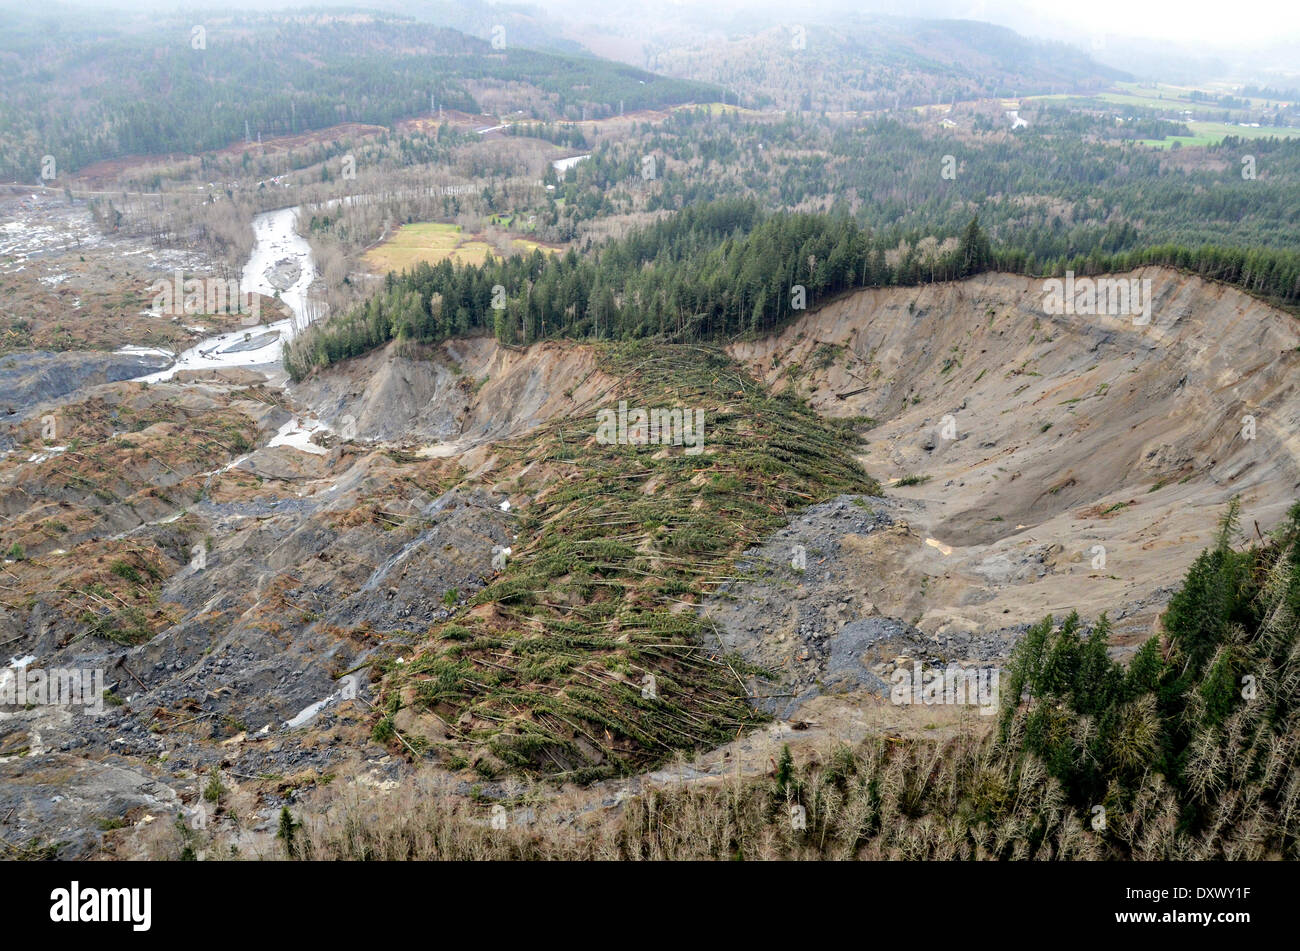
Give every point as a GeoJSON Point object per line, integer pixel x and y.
{"type": "Point", "coordinates": [278, 250]}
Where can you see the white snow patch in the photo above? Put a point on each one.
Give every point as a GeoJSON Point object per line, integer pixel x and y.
{"type": "Point", "coordinates": [563, 165]}
{"type": "Point", "coordinates": [297, 433]}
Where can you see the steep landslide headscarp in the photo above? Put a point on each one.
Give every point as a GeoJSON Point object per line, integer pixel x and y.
{"type": "Point", "coordinates": [1053, 462]}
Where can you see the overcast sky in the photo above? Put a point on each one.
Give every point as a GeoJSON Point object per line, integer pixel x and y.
{"type": "Point", "coordinates": [1204, 25]}
{"type": "Point", "coordinates": [1211, 23]}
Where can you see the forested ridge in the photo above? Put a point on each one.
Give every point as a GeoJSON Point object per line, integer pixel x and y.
{"type": "Point", "coordinates": [270, 76]}
{"type": "Point", "coordinates": [1064, 185]}
{"type": "Point", "coordinates": [864, 61]}
{"type": "Point", "coordinates": [711, 272]}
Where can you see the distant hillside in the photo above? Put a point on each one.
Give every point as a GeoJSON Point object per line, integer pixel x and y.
{"type": "Point", "coordinates": [525, 25]}
{"type": "Point", "coordinates": [874, 63]}
{"type": "Point", "coordinates": [68, 94]}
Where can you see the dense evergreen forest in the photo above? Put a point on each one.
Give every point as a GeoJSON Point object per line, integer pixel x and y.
{"type": "Point", "coordinates": [1067, 185]}
{"type": "Point", "coordinates": [1201, 723]}
{"type": "Point", "coordinates": [715, 271]}
{"type": "Point", "coordinates": [266, 76]}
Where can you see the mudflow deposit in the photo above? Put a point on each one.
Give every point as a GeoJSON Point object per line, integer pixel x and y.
{"type": "Point", "coordinates": [234, 552]}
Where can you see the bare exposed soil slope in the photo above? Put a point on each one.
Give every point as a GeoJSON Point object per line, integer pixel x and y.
{"type": "Point", "coordinates": [1069, 435]}
{"type": "Point", "coordinates": [463, 394]}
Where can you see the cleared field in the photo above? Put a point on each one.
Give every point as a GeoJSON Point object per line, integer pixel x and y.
{"type": "Point", "coordinates": [1163, 97]}
{"type": "Point", "coordinates": [1181, 95]}
{"type": "Point", "coordinates": [1211, 133]}
{"type": "Point", "coordinates": [718, 108]}
{"type": "Point", "coordinates": [434, 241]}
{"type": "Point", "coordinates": [1158, 102]}
{"type": "Point", "coordinates": [1169, 103]}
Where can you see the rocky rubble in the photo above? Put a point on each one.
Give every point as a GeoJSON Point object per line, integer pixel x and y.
{"type": "Point", "coordinates": [311, 566]}
{"type": "Point", "coordinates": [33, 377]}
{"type": "Point", "coordinates": [797, 611]}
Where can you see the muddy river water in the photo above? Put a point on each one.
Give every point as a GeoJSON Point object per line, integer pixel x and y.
{"type": "Point", "coordinates": [281, 262]}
